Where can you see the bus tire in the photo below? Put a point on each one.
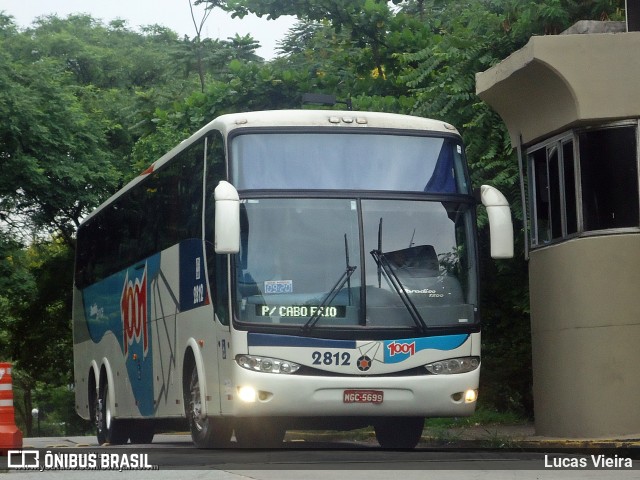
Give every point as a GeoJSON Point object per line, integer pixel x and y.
{"type": "Point", "coordinates": [206, 432]}
{"type": "Point", "coordinates": [109, 430]}
{"type": "Point", "coordinates": [399, 432]}
{"type": "Point", "coordinates": [258, 433]}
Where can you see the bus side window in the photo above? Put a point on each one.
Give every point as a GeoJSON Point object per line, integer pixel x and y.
{"type": "Point", "coordinates": [217, 265]}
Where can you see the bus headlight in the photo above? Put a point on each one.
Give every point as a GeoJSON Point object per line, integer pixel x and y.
{"type": "Point", "coordinates": [267, 365]}
{"type": "Point", "coordinates": [453, 366]}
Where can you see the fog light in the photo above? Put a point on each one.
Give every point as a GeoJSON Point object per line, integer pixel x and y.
{"type": "Point", "coordinates": [247, 394]}
{"type": "Point", "coordinates": [470, 396]}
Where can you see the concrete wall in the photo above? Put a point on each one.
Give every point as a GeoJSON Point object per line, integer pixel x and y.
{"type": "Point", "coordinates": [585, 309]}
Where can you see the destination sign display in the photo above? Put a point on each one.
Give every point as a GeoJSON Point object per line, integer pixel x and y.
{"type": "Point", "coordinates": [329, 311]}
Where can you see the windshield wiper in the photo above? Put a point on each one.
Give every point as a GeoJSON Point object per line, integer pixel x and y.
{"type": "Point", "coordinates": [329, 298]}
{"type": "Point", "coordinates": [385, 267]}
{"type": "Point", "coordinates": [331, 294]}
{"type": "Point", "coordinates": [395, 282]}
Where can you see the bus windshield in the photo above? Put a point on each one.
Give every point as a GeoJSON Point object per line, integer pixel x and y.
{"type": "Point", "coordinates": [348, 161]}
{"type": "Point", "coordinates": [380, 263]}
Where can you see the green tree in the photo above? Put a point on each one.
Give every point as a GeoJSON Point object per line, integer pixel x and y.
{"type": "Point", "coordinates": [53, 156]}
{"type": "Point", "coordinates": [75, 96]}
{"type": "Point", "coordinates": [366, 22]}
{"type": "Point", "coordinates": [35, 326]}
{"type": "Point", "coordinates": [197, 40]}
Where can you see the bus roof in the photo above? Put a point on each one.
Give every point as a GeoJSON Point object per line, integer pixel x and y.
{"type": "Point", "coordinates": [327, 118]}
{"type": "Point", "coordinates": [296, 119]}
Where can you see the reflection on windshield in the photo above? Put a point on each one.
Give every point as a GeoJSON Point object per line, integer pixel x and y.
{"type": "Point", "coordinates": [428, 279]}
{"type": "Point", "coordinates": [294, 255]}
{"type": "Point", "coordinates": [300, 264]}
{"type": "Point", "coordinates": [348, 161]}
{"type": "Point", "coordinates": [386, 266]}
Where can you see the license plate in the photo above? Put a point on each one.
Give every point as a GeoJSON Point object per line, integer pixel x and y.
{"type": "Point", "coordinates": [363, 396]}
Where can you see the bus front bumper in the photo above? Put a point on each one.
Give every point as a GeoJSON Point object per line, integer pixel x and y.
{"type": "Point", "coordinates": [266, 394]}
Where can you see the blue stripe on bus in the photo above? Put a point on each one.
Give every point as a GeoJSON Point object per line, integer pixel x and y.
{"type": "Point", "coordinates": [444, 342]}
{"type": "Point", "coordinates": [270, 340]}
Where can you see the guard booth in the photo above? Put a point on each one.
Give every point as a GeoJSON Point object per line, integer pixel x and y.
{"type": "Point", "coordinates": [571, 103]}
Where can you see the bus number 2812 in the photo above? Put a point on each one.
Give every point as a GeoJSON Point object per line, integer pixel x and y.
{"type": "Point", "coordinates": [198, 294]}
{"type": "Point", "coordinates": [331, 358]}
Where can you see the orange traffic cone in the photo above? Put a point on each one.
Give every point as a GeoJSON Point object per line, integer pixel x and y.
{"type": "Point", "coordinates": [10, 435]}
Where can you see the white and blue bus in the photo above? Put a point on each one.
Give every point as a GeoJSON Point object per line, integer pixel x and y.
{"type": "Point", "coordinates": [286, 269]}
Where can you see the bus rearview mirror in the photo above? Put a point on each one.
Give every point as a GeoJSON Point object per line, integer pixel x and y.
{"type": "Point", "coordinates": [227, 220]}
{"type": "Point", "coordinates": [500, 224]}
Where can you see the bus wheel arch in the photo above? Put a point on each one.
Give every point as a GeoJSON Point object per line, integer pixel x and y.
{"type": "Point", "coordinates": [206, 431]}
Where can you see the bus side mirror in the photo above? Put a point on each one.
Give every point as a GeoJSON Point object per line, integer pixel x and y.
{"type": "Point", "coordinates": [500, 225]}
{"type": "Point", "coordinates": [227, 223]}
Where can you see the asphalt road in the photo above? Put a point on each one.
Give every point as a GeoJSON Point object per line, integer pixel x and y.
{"type": "Point", "coordinates": [174, 457]}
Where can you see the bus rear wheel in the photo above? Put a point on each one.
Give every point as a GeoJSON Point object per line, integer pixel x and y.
{"type": "Point", "coordinates": [108, 429]}
{"type": "Point", "coordinates": [206, 432]}
{"type": "Point", "coordinates": [399, 432]}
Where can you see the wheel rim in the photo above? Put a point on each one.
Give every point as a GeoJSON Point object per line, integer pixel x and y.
{"type": "Point", "coordinates": [98, 413]}
{"type": "Point", "coordinates": [195, 404]}
{"type": "Point", "coordinates": [107, 408]}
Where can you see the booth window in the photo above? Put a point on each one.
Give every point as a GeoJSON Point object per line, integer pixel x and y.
{"type": "Point", "coordinates": [609, 175]}
{"type": "Point", "coordinates": [552, 177]}
{"type": "Point", "coordinates": [583, 181]}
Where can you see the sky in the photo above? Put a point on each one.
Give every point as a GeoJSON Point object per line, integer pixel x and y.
{"type": "Point", "coordinates": [174, 14]}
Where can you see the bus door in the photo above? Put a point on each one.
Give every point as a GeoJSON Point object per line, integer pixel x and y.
{"type": "Point", "coordinates": [219, 281]}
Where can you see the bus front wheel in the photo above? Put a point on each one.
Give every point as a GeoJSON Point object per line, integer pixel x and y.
{"type": "Point", "coordinates": [206, 432]}
{"type": "Point", "coordinates": [399, 432]}
{"type": "Point", "coordinates": [141, 432]}
{"type": "Point", "coordinates": [259, 433]}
